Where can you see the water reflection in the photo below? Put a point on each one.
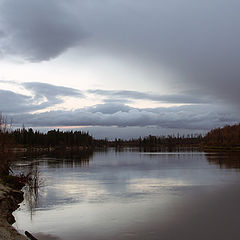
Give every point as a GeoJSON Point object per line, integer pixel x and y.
{"type": "Point", "coordinates": [59, 159]}
{"type": "Point", "coordinates": [33, 166]}
{"type": "Point", "coordinates": [31, 191]}
{"type": "Point", "coordinates": [163, 149]}
{"type": "Point", "coordinates": [228, 160]}
{"type": "Point", "coordinates": [110, 191]}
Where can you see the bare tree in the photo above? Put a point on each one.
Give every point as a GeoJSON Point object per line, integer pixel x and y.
{"type": "Point", "coordinates": [5, 124]}
{"type": "Point", "coordinates": [5, 143]}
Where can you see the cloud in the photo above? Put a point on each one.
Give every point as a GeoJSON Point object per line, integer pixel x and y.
{"type": "Point", "coordinates": [109, 108]}
{"type": "Point", "coordinates": [196, 42]}
{"type": "Point", "coordinates": [111, 113]}
{"type": "Point", "coordinates": [174, 98]}
{"type": "Point", "coordinates": [43, 96]}
{"type": "Point", "coordinates": [13, 102]}
{"type": "Point", "coordinates": [51, 92]}
{"type": "Point", "coordinates": [38, 30]}
{"type": "Point", "coordinates": [184, 117]}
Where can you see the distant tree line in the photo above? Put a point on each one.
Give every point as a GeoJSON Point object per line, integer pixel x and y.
{"type": "Point", "coordinates": [158, 141]}
{"type": "Point", "coordinates": [228, 136]}
{"type": "Point", "coordinates": [56, 138]}
{"type": "Point", "coordinates": [53, 138]}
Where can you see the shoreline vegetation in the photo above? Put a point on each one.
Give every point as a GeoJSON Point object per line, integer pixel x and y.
{"type": "Point", "coordinates": [19, 142]}
{"type": "Point", "coordinates": [28, 140]}
{"type": "Point", "coordinates": [223, 139]}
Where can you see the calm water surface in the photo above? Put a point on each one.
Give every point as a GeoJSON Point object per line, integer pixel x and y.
{"type": "Point", "coordinates": [119, 194]}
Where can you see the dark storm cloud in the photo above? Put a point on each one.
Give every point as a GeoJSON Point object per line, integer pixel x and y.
{"type": "Point", "coordinates": [1, 34]}
{"type": "Point", "coordinates": [43, 96]}
{"type": "Point", "coordinates": [174, 98]}
{"type": "Point", "coordinates": [38, 30]}
{"type": "Point", "coordinates": [197, 41]}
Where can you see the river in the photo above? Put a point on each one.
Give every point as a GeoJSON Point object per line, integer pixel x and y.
{"type": "Point", "coordinates": [131, 194]}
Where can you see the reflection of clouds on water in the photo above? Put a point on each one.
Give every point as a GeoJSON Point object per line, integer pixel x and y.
{"type": "Point", "coordinates": [85, 190]}
{"type": "Point", "coordinates": [151, 185]}
{"type": "Point", "coordinates": [121, 176]}
{"type": "Point", "coordinates": [116, 189]}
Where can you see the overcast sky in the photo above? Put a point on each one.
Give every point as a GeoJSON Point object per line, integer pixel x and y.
{"type": "Point", "coordinates": [120, 67]}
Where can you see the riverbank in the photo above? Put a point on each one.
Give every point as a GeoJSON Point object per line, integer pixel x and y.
{"type": "Point", "coordinates": [9, 202]}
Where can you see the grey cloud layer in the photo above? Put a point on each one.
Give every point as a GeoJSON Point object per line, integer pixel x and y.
{"type": "Point", "coordinates": [51, 92]}
{"type": "Point", "coordinates": [38, 30]}
{"type": "Point", "coordinates": [178, 117]}
{"type": "Point", "coordinates": [46, 95]}
{"type": "Point", "coordinates": [43, 96]}
{"type": "Point", "coordinates": [13, 102]}
{"type": "Point", "coordinates": [196, 40]}
{"type": "Point", "coordinates": [174, 98]}
{"type": "Point", "coordinates": [110, 113]}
